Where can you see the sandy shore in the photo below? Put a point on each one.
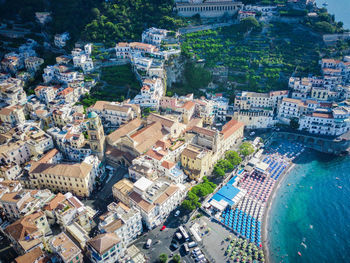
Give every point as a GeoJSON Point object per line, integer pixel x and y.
{"type": "Point", "coordinates": [266, 216]}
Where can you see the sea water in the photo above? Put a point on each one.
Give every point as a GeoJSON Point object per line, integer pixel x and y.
{"type": "Point", "coordinates": [339, 8]}
{"type": "Point", "coordinates": [311, 212]}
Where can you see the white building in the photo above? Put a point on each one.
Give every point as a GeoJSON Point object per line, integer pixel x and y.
{"type": "Point", "coordinates": [61, 39]}
{"type": "Point", "coordinates": [122, 220]}
{"type": "Point", "coordinates": [154, 36]}
{"type": "Point", "coordinates": [151, 93]}
{"type": "Point", "coordinates": [156, 200]}
{"type": "Point", "coordinates": [333, 123]}
{"type": "Point", "coordinates": [114, 113]}
{"type": "Point", "coordinates": [11, 91]}
{"type": "Point", "coordinates": [45, 94]}
{"type": "Point", "coordinates": [33, 64]}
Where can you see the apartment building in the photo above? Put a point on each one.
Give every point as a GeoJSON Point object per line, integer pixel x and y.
{"type": "Point", "coordinates": [33, 64]}
{"type": "Point", "coordinates": [106, 248]}
{"type": "Point", "coordinates": [122, 220]}
{"type": "Point", "coordinates": [156, 200]}
{"type": "Point", "coordinates": [327, 123]}
{"type": "Point", "coordinates": [154, 36]}
{"type": "Point", "coordinates": [77, 178]}
{"type": "Point", "coordinates": [45, 94]}
{"type": "Point", "coordinates": [255, 118]}
{"type": "Point", "coordinates": [151, 92]}
{"type": "Point", "coordinates": [14, 152]}
{"type": "Point", "coordinates": [66, 249]}
{"type": "Point", "coordinates": [12, 115]}
{"type": "Point", "coordinates": [25, 235]}
{"type": "Point", "coordinates": [126, 50]}
{"type": "Point", "coordinates": [11, 92]}
{"type": "Point", "coordinates": [122, 189]}
{"type": "Point", "coordinates": [250, 100]}
{"type": "Point", "coordinates": [60, 40]}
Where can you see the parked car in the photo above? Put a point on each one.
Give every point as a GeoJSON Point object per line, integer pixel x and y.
{"type": "Point", "coordinates": [177, 213]}
{"type": "Point", "coordinates": [192, 244]}
{"type": "Point", "coordinates": [174, 246]}
{"type": "Point", "coordinates": [178, 235]}
{"type": "Point", "coordinates": [148, 243]}
{"type": "Point", "coordinates": [163, 227]}
{"type": "Point", "coordinates": [186, 249]}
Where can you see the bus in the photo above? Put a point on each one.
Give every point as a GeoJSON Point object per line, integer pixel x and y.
{"type": "Point", "coordinates": [184, 233]}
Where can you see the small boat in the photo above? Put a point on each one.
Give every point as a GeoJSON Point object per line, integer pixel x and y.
{"type": "Point", "coordinates": [299, 253]}
{"type": "Point", "coordinates": [325, 4]}
{"type": "Point", "coordinates": [337, 178]}
{"type": "Point", "coordinates": [288, 184]}
{"type": "Point", "coordinates": [340, 187]}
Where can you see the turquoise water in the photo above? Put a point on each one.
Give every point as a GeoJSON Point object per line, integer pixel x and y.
{"type": "Point", "coordinates": [312, 215]}
{"type": "Point", "coordinates": [340, 8]}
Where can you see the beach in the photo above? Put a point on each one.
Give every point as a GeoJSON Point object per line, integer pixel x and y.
{"type": "Point", "coordinates": [265, 226]}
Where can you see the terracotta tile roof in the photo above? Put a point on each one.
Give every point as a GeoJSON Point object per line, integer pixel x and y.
{"type": "Point", "coordinates": [166, 122]}
{"type": "Point", "coordinates": [125, 129]}
{"type": "Point", "coordinates": [323, 115]}
{"type": "Point", "coordinates": [231, 127]}
{"type": "Point", "coordinates": [113, 226]}
{"type": "Point", "coordinates": [124, 186]}
{"type": "Point", "coordinates": [167, 193]}
{"type": "Point", "coordinates": [148, 136]}
{"type": "Point", "coordinates": [144, 205]}
{"type": "Point", "coordinates": [155, 154]}
{"type": "Point", "coordinates": [34, 256]}
{"type": "Point", "coordinates": [190, 153]}
{"type": "Point", "coordinates": [52, 205]}
{"type": "Point", "coordinates": [65, 246]}
{"type": "Point", "coordinates": [49, 155]}
{"type": "Point", "coordinates": [279, 92]}
{"type": "Point", "coordinates": [189, 105]}
{"type": "Point", "coordinates": [295, 101]}
{"type": "Point", "coordinates": [168, 165]}
{"type": "Point", "coordinates": [78, 170]}
{"type": "Point", "coordinates": [103, 242]}
{"type": "Point", "coordinates": [114, 153]}
{"type": "Point", "coordinates": [204, 131]}
{"type": "Point", "coordinates": [21, 228]}
{"type": "Point", "coordinates": [162, 144]}
{"type": "Point", "coordinates": [66, 91]}
{"type": "Point", "coordinates": [99, 105]}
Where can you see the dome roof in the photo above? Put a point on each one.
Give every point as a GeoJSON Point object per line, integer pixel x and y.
{"type": "Point", "coordinates": [92, 114]}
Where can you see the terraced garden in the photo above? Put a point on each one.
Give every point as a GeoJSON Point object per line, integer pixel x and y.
{"type": "Point", "coordinates": [261, 60]}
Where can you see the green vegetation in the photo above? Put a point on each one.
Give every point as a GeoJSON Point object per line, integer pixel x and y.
{"type": "Point", "coordinates": [123, 20]}
{"type": "Point", "coordinates": [198, 191]}
{"type": "Point", "coordinates": [163, 258]}
{"type": "Point", "coordinates": [324, 23]}
{"type": "Point", "coordinates": [176, 258]}
{"type": "Point", "coordinates": [231, 160]}
{"type": "Point", "coordinates": [233, 157]}
{"type": "Point", "coordinates": [294, 123]}
{"type": "Point", "coordinates": [246, 149]}
{"type": "Point", "coordinates": [257, 61]}
{"type": "Point", "coordinates": [116, 83]}
{"type": "Point", "coordinates": [195, 78]}
{"type": "Point", "coordinates": [239, 250]}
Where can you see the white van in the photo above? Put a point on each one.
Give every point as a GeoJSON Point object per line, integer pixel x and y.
{"type": "Point", "coordinates": [148, 243]}
{"type": "Point", "coordinates": [192, 244]}
{"type": "Point", "coordinates": [178, 235]}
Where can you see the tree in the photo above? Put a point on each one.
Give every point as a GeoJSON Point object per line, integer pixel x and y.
{"type": "Point", "coordinates": [188, 205]}
{"type": "Point", "coordinates": [294, 123]}
{"type": "Point", "coordinates": [249, 23]}
{"type": "Point", "coordinates": [163, 258]}
{"type": "Point", "coordinates": [176, 258]}
{"type": "Point", "coordinates": [218, 171]}
{"type": "Point", "coordinates": [246, 149]}
{"type": "Point", "coordinates": [324, 27]}
{"type": "Point", "coordinates": [233, 157]}
{"type": "Point", "coordinates": [224, 165]}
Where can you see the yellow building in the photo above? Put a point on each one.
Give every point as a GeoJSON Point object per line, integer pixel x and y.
{"type": "Point", "coordinates": [77, 178]}
{"type": "Point", "coordinates": [122, 189]}
{"type": "Point", "coordinates": [196, 161]}
{"type": "Point", "coordinates": [96, 134]}
{"type": "Point", "coordinates": [13, 115]}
